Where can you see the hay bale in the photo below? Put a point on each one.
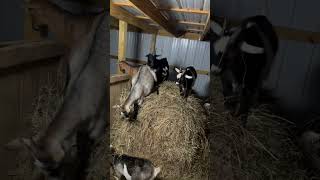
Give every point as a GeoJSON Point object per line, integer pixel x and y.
{"type": "Point", "coordinates": [169, 131]}
{"type": "Point", "coordinates": [265, 149]}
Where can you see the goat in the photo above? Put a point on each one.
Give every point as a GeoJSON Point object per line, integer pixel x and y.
{"type": "Point", "coordinates": [142, 84]}
{"type": "Point", "coordinates": [139, 168]}
{"type": "Point", "coordinates": [186, 79]}
{"type": "Point", "coordinates": [243, 57]}
{"type": "Point", "coordinates": [160, 65]}
{"type": "Point", "coordinates": [127, 68]}
{"type": "Point", "coordinates": [84, 109]}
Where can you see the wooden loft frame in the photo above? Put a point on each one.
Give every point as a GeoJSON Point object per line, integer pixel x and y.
{"type": "Point", "coordinates": [160, 23]}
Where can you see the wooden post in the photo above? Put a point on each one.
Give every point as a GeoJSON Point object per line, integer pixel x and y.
{"type": "Point", "coordinates": [153, 44]}
{"type": "Point", "coordinates": [29, 33]}
{"type": "Point", "coordinates": [123, 26]}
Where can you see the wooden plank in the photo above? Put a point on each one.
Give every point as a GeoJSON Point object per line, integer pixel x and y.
{"type": "Point", "coordinates": [29, 52]}
{"type": "Point", "coordinates": [143, 17]}
{"type": "Point", "coordinates": [194, 30]}
{"type": "Point", "coordinates": [180, 22]}
{"type": "Point", "coordinates": [206, 28]}
{"type": "Point", "coordinates": [153, 43]}
{"type": "Point", "coordinates": [119, 78]}
{"type": "Point", "coordinates": [182, 10]}
{"type": "Point", "coordinates": [124, 15]}
{"type": "Point", "coordinates": [148, 8]}
{"type": "Point", "coordinates": [123, 26]}
{"type": "Point", "coordinates": [188, 35]}
{"type": "Point", "coordinates": [29, 33]}
{"type": "Point", "coordinates": [191, 23]}
{"type": "Point", "coordinates": [138, 61]}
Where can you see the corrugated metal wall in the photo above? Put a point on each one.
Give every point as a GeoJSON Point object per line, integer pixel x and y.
{"type": "Point", "coordinates": [179, 52]}
{"type": "Point", "coordinates": [296, 72]}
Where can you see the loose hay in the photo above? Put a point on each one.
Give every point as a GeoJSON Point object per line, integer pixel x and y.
{"type": "Point", "coordinates": [265, 149]}
{"type": "Point", "coordinates": [169, 131]}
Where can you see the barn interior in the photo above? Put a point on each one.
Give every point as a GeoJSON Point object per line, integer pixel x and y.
{"type": "Point", "coordinates": [175, 30]}
{"type": "Point", "coordinates": [189, 139]}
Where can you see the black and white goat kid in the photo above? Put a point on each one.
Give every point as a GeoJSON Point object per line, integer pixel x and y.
{"type": "Point", "coordinates": [133, 168]}
{"type": "Point", "coordinates": [186, 79]}
{"type": "Point", "coordinates": [161, 67]}
{"type": "Point", "coordinates": [242, 57]}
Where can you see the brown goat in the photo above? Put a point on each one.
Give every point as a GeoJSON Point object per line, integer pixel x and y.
{"type": "Point", "coordinates": [128, 68]}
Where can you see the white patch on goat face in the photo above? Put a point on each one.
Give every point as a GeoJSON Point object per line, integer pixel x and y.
{"type": "Point", "coordinates": [165, 68]}
{"type": "Point", "coordinates": [179, 75]}
{"type": "Point", "coordinates": [221, 44]}
{"type": "Point", "coordinates": [251, 49]}
{"type": "Point", "coordinates": [188, 77]}
{"type": "Point", "coordinates": [177, 82]}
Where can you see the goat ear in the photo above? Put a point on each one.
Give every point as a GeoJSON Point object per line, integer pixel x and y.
{"type": "Point", "coordinates": [156, 171]}
{"type": "Point", "coordinates": [177, 70]}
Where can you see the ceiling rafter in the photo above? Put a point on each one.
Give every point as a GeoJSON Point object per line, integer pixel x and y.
{"type": "Point", "coordinates": [149, 9]}
{"type": "Point", "coordinates": [182, 10]}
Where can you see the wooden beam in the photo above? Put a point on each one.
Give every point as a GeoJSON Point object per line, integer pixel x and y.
{"type": "Point", "coordinates": [182, 10]}
{"type": "Point", "coordinates": [20, 54]}
{"type": "Point", "coordinates": [117, 78]}
{"type": "Point", "coordinates": [194, 30]}
{"type": "Point", "coordinates": [124, 15]}
{"type": "Point", "coordinates": [148, 8]}
{"type": "Point", "coordinates": [29, 32]}
{"type": "Point", "coordinates": [143, 17]}
{"type": "Point", "coordinates": [188, 35]}
{"type": "Point", "coordinates": [180, 22]}
{"type": "Point", "coordinates": [123, 26]}
{"type": "Point", "coordinates": [191, 23]}
{"type": "Point", "coordinates": [206, 28]}
{"type": "Point", "coordinates": [153, 44]}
